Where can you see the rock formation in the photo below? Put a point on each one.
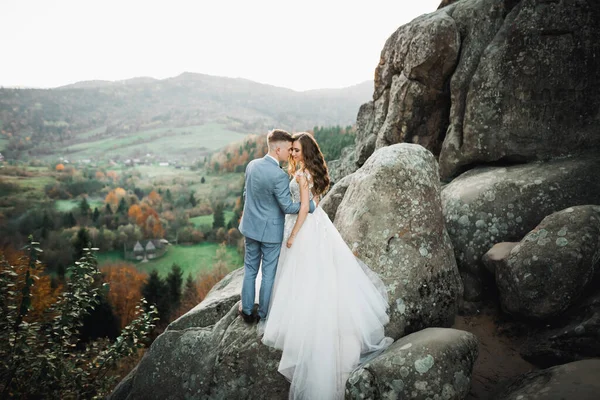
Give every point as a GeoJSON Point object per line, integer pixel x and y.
{"type": "Point", "coordinates": [500, 100]}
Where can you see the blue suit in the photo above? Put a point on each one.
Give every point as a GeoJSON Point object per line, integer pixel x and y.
{"type": "Point", "coordinates": [266, 201]}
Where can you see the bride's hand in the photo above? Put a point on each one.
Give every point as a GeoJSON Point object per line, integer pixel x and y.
{"type": "Point", "coordinates": [290, 241]}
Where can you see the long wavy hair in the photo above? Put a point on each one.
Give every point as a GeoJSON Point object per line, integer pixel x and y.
{"type": "Point", "coordinates": [314, 162]}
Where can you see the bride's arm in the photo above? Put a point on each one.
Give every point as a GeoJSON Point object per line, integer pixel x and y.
{"type": "Point", "coordinates": [304, 208]}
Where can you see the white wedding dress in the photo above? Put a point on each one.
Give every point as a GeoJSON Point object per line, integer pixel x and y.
{"type": "Point", "coordinates": [327, 309]}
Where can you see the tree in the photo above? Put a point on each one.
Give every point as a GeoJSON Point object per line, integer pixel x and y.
{"type": "Point", "coordinates": [202, 180]}
{"type": "Point", "coordinates": [60, 167]}
{"type": "Point", "coordinates": [126, 284]}
{"type": "Point", "coordinates": [218, 216]}
{"type": "Point", "coordinates": [47, 225]}
{"type": "Point", "coordinates": [82, 241]}
{"type": "Point", "coordinates": [69, 220]}
{"type": "Point", "coordinates": [193, 200]}
{"type": "Point", "coordinates": [84, 206]}
{"type": "Point", "coordinates": [156, 294]}
{"type": "Point", "coordinates": [190, 296]}
{"type": "Point", "coordinates": [169, 196]}
{"type": "Point", "coordinates": [108, 209]}
{"type": "Point", "coordinates": [122, 209]}
{"type": "Point", "coordinates": [42, 360]}
{"type": "Point", "coordinates": [154, 198]}
{"type": "Point", "coordinates": [114, 197]}
{"type": "Point", "coordinates": [96, 214]}
{"type": "Point", "coordinates": [174, 282]}
{"type": "Point", "coordinates": [206, 280]}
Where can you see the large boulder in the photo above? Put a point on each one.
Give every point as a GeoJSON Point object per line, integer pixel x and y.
{"type": "Point", "coordinates": [391, 215]}
{"type": "Point", "coordinates": [488, 205]}
{"type": "Point", "coordinates": [575, 336]}
{"type": "Point", "coordinates": [411, 99]}
{"type": "Point", "coordinates": [226, 361]}
{"type": "Point", "coordinates": [343, 166]}
{"type": "Point", "coordinates": [533, 92]}
{"type": "Point", "coordinates": [482, 81]}
{"type": "Point", "coordinates": [577, 381]}
{"type": "Point", "coordinates": [334, 197]}
{"type": "Point", "coordinates": [215, 305]}
{"type": "Point", "coordinates": [429, 364]}
{"type": "Point", "coordinates": [549, 270]}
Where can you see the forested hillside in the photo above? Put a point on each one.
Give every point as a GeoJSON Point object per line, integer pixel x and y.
{"type": "Point", "coordinates": [132, 118]}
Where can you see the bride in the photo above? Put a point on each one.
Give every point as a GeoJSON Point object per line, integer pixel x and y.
{"type": "Point", "coordinates": [327, 307]}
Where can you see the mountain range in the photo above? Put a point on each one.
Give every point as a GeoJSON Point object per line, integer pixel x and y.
{"type": "Point", "coordinates": [45, 122]}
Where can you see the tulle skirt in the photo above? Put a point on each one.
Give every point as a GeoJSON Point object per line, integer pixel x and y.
{"type": "Point", "coordinates": [327, 309]}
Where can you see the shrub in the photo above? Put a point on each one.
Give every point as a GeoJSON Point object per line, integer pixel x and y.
{"type": "Point", "coordinates": [46, 359]}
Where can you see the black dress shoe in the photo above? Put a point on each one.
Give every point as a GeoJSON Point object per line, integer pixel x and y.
{"type": "Point", "coordinates": [249, 319]}
{"type": "Point", "coordinates": [255, 313]}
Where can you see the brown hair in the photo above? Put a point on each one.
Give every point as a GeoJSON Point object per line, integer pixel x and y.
{"type": "Point", "coordinates": [314, 162]}
{"type": "Point", "coordinates": [278, 135]}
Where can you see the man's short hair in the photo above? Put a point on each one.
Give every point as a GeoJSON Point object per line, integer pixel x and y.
{"type": "Point", "coordinates": [278, 135]}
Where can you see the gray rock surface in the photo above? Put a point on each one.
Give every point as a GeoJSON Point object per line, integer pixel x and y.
{"type": "Point", "coordinates": [391, 216]}
{"type": "Point", "coordinates": [343, 166]}
{"type": "Point", "coordinates": [514, 99]}
{"type": "Point", "coordinates": [411, 99]}
{"type": "Point", "coordinates": [489, 205]}
{"type": "Point", "coordinates": [334, 197]}
{"type": "Point", "coordinates": [573, 381]}
{"type": "Point", "coordinates": [496, 255]}
{"type": "Point", "coordinates": [226, 361]}
{"type": "Point", "coordinates": [481, 81]}
{"type": "Point", "coordinates": [217, 303]}
{"type": "Point", "coordinates": [549, 270]}
{"type": "Point", "coordinates": [574, 337]}
{"type": "Point", "coordinates": [434, 363]}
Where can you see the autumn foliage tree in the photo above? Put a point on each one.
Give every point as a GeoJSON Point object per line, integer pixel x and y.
{"type": "Point", "coordinates": [147, 219]}
{"type": "Point", "coordinates": [43, 293]}
{"type": "Point", "coordinates": [125, 283]}
{"type": "Point", "coordinates": [114, 197]}
{"type": "Point", "coordinates": [235, 157]}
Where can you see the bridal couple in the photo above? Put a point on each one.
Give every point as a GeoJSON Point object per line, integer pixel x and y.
{"type": "Point", "coordinates": [318, 303]}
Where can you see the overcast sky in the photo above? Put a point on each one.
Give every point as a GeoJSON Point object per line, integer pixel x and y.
{"type": "Point", "coordinates": [301, 45]}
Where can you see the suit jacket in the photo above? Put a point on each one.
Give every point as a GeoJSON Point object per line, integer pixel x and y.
{"type": "Point", "coordinates": [266, 201]}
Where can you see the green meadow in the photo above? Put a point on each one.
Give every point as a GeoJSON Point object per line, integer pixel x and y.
{"type": "Point", "coordinates": [192, 259]}
{"type": "Point", "coordinates": [166, 143]}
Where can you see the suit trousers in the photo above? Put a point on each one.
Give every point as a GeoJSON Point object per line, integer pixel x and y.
{"type": "Point", "coordinates": [257, 255]}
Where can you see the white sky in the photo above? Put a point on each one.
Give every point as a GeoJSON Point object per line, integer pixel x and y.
{"type": "Point", "coordinates": [302, 45]}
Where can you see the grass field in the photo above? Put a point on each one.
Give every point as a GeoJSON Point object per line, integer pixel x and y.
{"type": "Point", "coordinates": [207, 220]}
{"type": "Point", "coordinates": [192, 259]}
{"type": "Point", "coordinates": [68, 205]}
{"type": "Point", "coordinates": [167, 143]}
{"type": "Point", "coordinates": [3, 143]}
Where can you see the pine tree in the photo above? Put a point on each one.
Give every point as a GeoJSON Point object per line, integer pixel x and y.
{"type": "Point", "coordinates": [218, 217]}
{"type": "Point", "coordinates": [96, 214]}
{"type": "Point", "coordinates": [47, 225]}
{"type": "Point", "coordinates": [155, 293]}
{"type": "Point", "coordinates": [82, 240]}
{"type": "Point", "coordinates": [69, 220]}
{"type": "Point", "coordinates": [122, 209]}
{"type": "Point", "coordinates": [108, 209]}
{"type": "Point", "coordinates": [84, 206]}
{"type": "Point", "coordinates": [174, 282]}
{"type": "Point", "coordinates": [193, 200]}
{"type": "Point", "coordinates": [169, 196]}
{"type": "Point", "coordinates": [190, 288]}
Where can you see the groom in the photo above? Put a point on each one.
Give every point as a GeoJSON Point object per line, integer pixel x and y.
{"type": "Point", "coordinates": [266, 201]}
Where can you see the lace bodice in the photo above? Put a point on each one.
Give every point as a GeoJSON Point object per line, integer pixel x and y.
{"type": "Point", "coordinates": [295, 187]}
